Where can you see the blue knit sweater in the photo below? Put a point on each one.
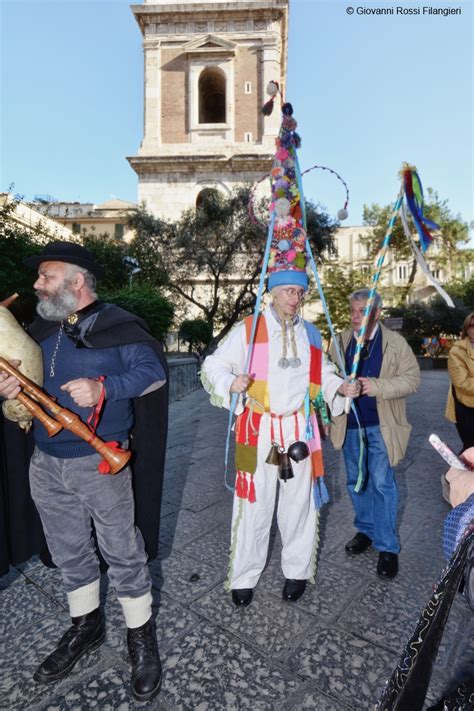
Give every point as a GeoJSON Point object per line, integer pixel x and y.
{"type": "Point", "coordinates": [369, 367]}
{"type": "Point", "coordinates": [129, 371]}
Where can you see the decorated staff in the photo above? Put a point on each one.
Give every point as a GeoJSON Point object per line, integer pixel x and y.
{"type": "Point", "coordinates": [272, 372]}
{"type": "Point", "coordinates": [411, 188]}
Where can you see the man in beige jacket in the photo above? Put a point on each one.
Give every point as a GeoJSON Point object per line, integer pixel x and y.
{"type": "Point", "coordinates": [388, 372]}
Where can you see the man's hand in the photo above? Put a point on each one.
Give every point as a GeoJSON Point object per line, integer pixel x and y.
{"type": "Point", "coordinates": [349, 389]}
{"type": "Point", "coordinates": [366, 387]}
{"type": "Point", "coordinates": [241, 383]}
{"type": "Point", "coordinates": [84, 391]}
{"type": "Point", "coordinates": [9, 386]}
{"type": "Point", "coordinates": [461, 483]}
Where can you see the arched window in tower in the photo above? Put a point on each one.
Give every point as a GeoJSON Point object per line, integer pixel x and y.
{"type": "Point", "coordinates": [212, 96]}
{"type": "Point", "coordinates": [206, 196]}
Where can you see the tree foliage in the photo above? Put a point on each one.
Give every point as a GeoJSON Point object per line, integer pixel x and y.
{"type": "Point", "coordinates": [338, 286]}
{"type": "Point", "coordinates": [197, 333]}
{"type": "Point", "coordinates": [146, 302]}
{"type": "Point", "coordinates": [16, 243]}
{"type": "Point", "coordinates": [433, 319]}
{"type": "Point", "coordinates": [463, 291]}
{"type": "Point", "coordinates": [210, 259]}
{"type": "Point", "coordinates": [109, 253]}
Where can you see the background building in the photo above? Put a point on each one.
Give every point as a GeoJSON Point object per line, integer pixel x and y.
{"type": "Point", "coordinates": [207, 66]}
{"type": "Point", "coordinates": [110, 218]}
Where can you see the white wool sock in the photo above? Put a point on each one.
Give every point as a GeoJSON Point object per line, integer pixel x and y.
{"type": "Point", "coordinates": [84, 599]}
{"type": "Point", "coordinates": [136, 610]}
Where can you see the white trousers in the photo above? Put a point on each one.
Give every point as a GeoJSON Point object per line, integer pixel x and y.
{"type": "Point", "coordinates": [296, 515]}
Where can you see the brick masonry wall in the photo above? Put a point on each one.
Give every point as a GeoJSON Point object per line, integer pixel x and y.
{"type": "Point", "coordinates": [174, 103]}
{"type": "Point", "coordinates": [247, 105]}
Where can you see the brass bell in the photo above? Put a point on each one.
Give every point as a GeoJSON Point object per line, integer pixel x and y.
{"type": "Point", "coordinates": [273, 455]}
{"type": "Point", "coordinates": [285, 470]}
{"type": "Point", "coordinates": [298, 451]}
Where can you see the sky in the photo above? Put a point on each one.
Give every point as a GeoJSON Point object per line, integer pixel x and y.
{"type": "Point", "coordinates": [369, 91]}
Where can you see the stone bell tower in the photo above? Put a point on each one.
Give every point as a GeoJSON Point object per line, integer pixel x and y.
{"type": "Point", "coordinates": [207, 65]}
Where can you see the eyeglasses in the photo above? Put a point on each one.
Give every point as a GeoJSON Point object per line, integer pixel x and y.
{"type": "Point", "coordinates": [294, 292]}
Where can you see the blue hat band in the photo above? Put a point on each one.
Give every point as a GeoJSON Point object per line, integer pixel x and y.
{"type": "Point", "coordinates": [288, 277]}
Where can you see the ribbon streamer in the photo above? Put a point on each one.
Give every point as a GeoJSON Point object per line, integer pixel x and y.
{"type": "Point", "coordinates": [421, 261]}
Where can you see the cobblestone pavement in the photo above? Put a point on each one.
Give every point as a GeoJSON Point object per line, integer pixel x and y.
{"type": "Point", "coordinates": [333, 650]}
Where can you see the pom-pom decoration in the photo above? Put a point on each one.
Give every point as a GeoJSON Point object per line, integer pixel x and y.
{"type": "Point", "coordinates": [273, 89]}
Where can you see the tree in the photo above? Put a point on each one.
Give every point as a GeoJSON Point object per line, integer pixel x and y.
{"type": "Point", "coordinates": [197, 333]}
{"type": "Point", "coordinates": [109, 253]}
{"type": "Point", "coordinates": [452, 234]}
{"type": "Point", "coordinates": [146, 302]}
{"type": "Point", "coordinates": [434, 319]}
{"type": "Point", "coordinates": [16, 243]}
{"type": "Point", "coordinates": [338, 286]}
{"type": "Point", "coordinates": [464, 291]}
{"type": "Point", "coordinates": [210, 259]}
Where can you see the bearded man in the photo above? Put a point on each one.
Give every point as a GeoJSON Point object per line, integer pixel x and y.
{"type": "Point", "coordinates": [98, 360]}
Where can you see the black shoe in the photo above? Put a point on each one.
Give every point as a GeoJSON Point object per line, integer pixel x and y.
{"type": "Point", "coordinates": [293, 589]}
{"type": "Point", "coordinates": [242, 597]}
{"type": "Point", "coordinates": [146, 665]}
{"type": "Point", "coordinates": [387, 567]}
{"type": "Point", "coordinates": [87, 633]}
{"type": "Point", "coordinates": [358, 544]}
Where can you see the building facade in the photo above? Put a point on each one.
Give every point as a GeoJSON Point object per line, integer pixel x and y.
{"type": "Point", "coordinates": [206, 68]}
{"type": "Point", "coordinates": [109, 218]}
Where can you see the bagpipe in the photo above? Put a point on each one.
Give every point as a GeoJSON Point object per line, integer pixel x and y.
{"type": "Point", "coordinates": [32, 401]}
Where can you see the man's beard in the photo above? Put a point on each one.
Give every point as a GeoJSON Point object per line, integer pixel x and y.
{"type": "Point", "coordinates": [59, 304]}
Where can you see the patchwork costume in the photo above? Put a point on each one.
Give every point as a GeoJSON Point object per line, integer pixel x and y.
{"type": "Point", "coordinates": [278, 409]}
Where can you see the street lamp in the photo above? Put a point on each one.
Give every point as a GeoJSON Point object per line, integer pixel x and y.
{"type": "Point", "coordinates": [131, 264]}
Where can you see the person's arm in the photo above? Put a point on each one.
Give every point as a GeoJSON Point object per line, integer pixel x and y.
{"type": "Point", "coordinates": [334, 388]}
{"type": "Point", "coordinates": [405, 382]}
{"type": "Point", "coordinates": [460, 376]}
{"type": "Point", "coordinates": [143, 374]}
{"type": "Point", "coordinates": [222, 371]}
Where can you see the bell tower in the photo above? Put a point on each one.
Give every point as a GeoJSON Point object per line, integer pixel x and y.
{"type": "Point", "coordinates": [207, 65]}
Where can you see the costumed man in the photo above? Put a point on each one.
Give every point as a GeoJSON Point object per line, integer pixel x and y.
{"type": "Point", "coordinates": [97, 360]}
{"type": "Point", "coordinates": [388, 373]}
{"type": "Point", "coordinates": [277, 435]}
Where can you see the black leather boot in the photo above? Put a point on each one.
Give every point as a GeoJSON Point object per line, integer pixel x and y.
{"type": "Point", "coordinates": [87, 633]}
{"type": "Point", "coordinates": [146, 665]}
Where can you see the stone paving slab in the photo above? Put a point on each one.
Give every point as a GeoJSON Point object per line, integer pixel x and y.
{"type": "Point", "coordinates": [331, 651]}
{"type": "Point", "coordinates": [210, 668]}
{"type": "Point", "coordinates": [343, 666]}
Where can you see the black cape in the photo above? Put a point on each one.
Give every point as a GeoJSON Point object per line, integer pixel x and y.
{"type": "Point", "coordinates": [98, 326]}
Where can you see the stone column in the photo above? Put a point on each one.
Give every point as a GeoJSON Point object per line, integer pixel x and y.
{"type": "Point", "coordinates": [152, 97]}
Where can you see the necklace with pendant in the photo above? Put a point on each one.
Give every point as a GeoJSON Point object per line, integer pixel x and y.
{"type": "Point", "coordinates": [52, 365]}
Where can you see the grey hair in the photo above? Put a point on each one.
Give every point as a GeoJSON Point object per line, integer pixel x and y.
{"type": "Point", "coordinates": [89, 278]}
{"type": "Point", "coordinates": [363, 295]}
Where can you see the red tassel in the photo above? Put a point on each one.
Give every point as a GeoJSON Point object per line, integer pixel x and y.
{"type": "Point", "coordinates": [244, 485]}
{"type": "Point", "coordinates": [252, 497]}
{"type": "Point", "coordinates": [104, 467]}
{"type": "Point", "coordinates": [238, 485]}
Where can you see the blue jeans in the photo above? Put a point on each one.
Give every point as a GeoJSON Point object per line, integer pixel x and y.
{"type": "Point", "coordinates": [375, 505]}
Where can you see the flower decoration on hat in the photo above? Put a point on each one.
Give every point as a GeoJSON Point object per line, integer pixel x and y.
{"type": "Point", "coordinates": [288, 257]}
